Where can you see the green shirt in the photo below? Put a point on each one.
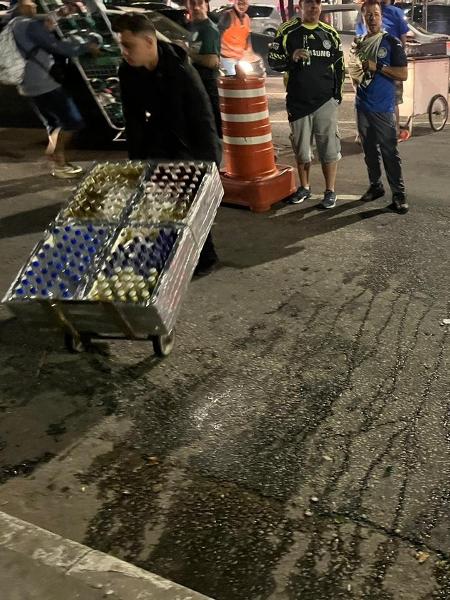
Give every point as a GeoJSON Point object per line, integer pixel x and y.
{"type": "Point", "coordinates": [205, 37]}
{"type": "Point", "coordinates": [205, 40]}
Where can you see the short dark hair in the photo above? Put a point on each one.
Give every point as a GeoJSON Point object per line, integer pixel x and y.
{"type": "Point", "coordinates": [370, 3]}
{"type": "Point", "coordinates": [134, 22]}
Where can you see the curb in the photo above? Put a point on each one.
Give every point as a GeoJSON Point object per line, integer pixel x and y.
{"type": "Point", "coordinates": [57, 562]}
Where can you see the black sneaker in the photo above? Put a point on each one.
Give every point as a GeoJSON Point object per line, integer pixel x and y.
{"type": "Point", "coordinates": [329, 199]}
{"type": "Point", "coordinates": [299, 196]}
{"type": "Point", "coordinates": [400, 203]}
{"type": "Point", "coordinates": [374, 192]}
{"type": "Point", "coordinates": [206, 266]}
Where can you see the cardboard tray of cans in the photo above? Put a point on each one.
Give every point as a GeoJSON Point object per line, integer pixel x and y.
{"type": "Point", "coordinates": [101, 270]}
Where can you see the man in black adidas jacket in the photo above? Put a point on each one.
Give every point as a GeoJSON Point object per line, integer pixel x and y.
{"type": "Point", "coordinates": [166, 108]}
{"type": "Point", "coordinates": [310, 52]}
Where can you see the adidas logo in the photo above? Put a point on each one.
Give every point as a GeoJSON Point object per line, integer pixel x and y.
{"type": "Point", "coordinates": [311, 37]}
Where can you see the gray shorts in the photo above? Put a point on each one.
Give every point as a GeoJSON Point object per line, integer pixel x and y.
{"type": "Point", "coordinates": [323, 125]}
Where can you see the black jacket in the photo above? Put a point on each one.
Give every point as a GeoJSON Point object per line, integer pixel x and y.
{"type": "Point", "coordinates": [167, 111]}
{"type": "Point", "coordinates": [311, 84]}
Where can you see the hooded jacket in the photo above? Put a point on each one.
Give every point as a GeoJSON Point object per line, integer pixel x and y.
{"type": "Point", "coordinates": [167, 111]}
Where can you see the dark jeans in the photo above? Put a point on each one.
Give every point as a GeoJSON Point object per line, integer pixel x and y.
{"type": "Point", "coordinates": [57, 109]}
{"type": "Point", "coordinates": [208, 254]}
{"type": "Point", "coordinates": [378, 135]}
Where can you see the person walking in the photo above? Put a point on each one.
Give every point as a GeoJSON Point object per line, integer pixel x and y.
{"type": "Point", "coordinates": [377, 61]}
{"type": "Point", "coordinates": [314, 63]}
{"type": "Point", "coordinates": [205, 53]}
{"type": "Point", "coordinates": [55, 108]}
{"type": "Point", "coordinates": [235, 28]}
{"type": "Point", "coordinates": [166, 109]}
{"type": "Point", "coordinates": [395, 23]}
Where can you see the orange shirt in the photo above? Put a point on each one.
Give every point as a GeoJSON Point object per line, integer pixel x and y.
{"type": "Point", "coordinates": [235, 37]}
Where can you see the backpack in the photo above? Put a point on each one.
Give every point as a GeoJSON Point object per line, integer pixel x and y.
{"type": "Point", "coordinates": [12, 63]}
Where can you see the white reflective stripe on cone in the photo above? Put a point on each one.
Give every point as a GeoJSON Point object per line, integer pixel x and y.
{"type": "Point", "coordinates": [252, 93]}
{"type": "Point", "coordinates": [257, 116]}
{"type": "Point", "coordinates": [247, 141]}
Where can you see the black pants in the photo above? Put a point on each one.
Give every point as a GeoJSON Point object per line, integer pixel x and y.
{"type": "Point", "coordinates": [213, 93]}
{"type": "Point", "coordinates": [57, 109]}
{"type": "Point", "coordinates": [208, 254]}
{"type": "Point", "coordinates": [378, 135]}
{"type": "Point", "coordinates": [215, 103]}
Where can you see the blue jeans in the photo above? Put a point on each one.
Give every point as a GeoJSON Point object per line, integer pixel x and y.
{"type": "Point", "coordinates": [57, 109]}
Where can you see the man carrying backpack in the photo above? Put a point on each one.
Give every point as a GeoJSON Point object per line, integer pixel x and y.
{"type": "Point", "coordinates": [54, 107]}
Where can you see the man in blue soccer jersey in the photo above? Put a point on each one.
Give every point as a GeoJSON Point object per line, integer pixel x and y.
{"type": "Point", "coordinates": [379, 61]}
{"type": "Point", "coordinates": [395, 23]}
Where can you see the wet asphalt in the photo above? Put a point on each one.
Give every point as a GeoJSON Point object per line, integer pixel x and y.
{"type": "Point", "coordinates": [295, 445]}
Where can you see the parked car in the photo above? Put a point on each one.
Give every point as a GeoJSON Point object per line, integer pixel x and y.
{"type": "Point", "coordinates": [436, 18]}
{"type": "Point", "coordinates": [166, 28]}
{"type": "Point", "coordinates": [169, 9]}
{"type": "Point", "coordinates": [265, 18]}
{"type": "Point", "coordinates": [174, 13]}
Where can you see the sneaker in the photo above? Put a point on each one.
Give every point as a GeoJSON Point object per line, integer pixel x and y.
{"type": "Point", "coordinates": [75, 168]}
{"type": "Point", "coordinates": [374, 192]}
{"type": "Point", "coordinates": [299, 196]}
{"type": "Point", "coordinates": [52, 139]}
{"type": "Point", "coordinates": [329, 199]}
{"type": "Point", "coordinates": [400, 203]}
{"type": "Point", "coordinates": [66, 171]}
{"type": "Point", "coordinates": [206, 266]}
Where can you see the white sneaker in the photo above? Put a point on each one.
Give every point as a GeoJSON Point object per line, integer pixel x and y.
{"type": "Point", "coordinates": [66, 171]}
{"type": "Point", "coordinates": [75, 168]}
{"type": "Point", "coordinates": [52, 139]}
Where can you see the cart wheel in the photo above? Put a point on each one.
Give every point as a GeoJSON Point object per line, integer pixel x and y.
{"type": "Point", "coordinates": [438, 112]}
{"type": "Point", "coordinates": [163, 344]}
{"type": "Point", "coordinates": [76, 344]}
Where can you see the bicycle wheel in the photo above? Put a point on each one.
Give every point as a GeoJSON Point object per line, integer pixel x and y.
{"type": "Point", "coordinates": [438, 112]}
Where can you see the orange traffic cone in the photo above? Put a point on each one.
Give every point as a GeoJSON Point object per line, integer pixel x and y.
{"type": "Point", "coordinates": [250, 176]}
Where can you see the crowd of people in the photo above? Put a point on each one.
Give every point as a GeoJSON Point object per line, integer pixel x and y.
{"type": "Point", "coordinates": [170, 96]}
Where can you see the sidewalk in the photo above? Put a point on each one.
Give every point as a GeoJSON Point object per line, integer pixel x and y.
{"type": "Point", "coordinates": [36, 564]}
